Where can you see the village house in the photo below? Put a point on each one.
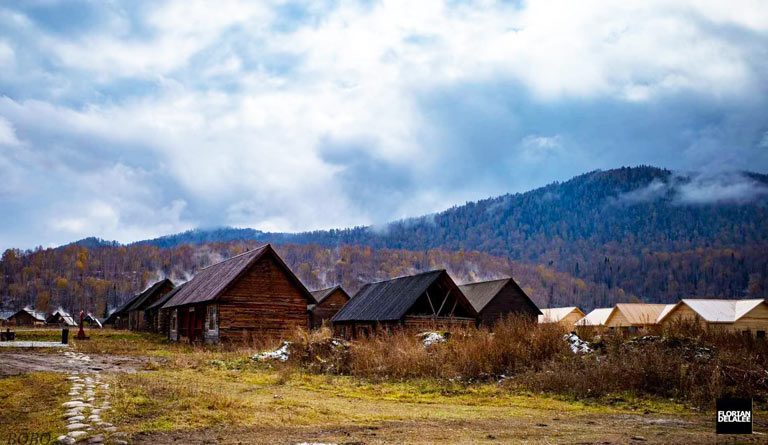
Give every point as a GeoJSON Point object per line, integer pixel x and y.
{"type": "Point", "coordinates": [60, 318]}
{"type": "Point", "coordinates": [596, 317]}
{"type": "Point", "coordinates": [251, 295]}
{"type": "Point", "coordinates": [635, 316]}
{"type": "Point", "coordinates": [566, 316]}
{"type": "Point", "coordinates": [495, 299]}
{"type": "Point", "coordinates": [160, 320]}
{"type": "Point", "coordinates": [425, 301]}
{"type": "Point", "coordinates": [329, 302]}
{"type": "Point", "coordinates": [139, 318]}
{"type": "Point", "coordinates": [746, 316]}
{"type": "Point", "coordinates": [119, 317]}
{"type": "Point", "coordinates": [27, 317]}
{"type": "Point", "coordinates": [92, 321]}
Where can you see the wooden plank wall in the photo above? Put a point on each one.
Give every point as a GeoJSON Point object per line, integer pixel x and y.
{"type": "Point", "coordinates": [508, 301]}
{"type": "Point", "coordinates": [263, 303]}
{"type": "Point", "coordinates": [328, 308]}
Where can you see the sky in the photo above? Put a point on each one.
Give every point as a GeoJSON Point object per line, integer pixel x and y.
{"type": "Point", "coordinates": [128, 120]}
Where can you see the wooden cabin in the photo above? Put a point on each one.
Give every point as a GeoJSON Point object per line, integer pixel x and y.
{"type": "Point", "coordinates": [118, 319]}
{"type": "Point", "coordinates": [93, 322]}
{"type": "Point", "coordinates": [634, 316]}
{"type": "Point", "coordinates": [252, 295]}
{"type": "Point", "coordinates": [138, 317]}
{"type": "Point", "coordinates": [596, 317]}
{"type": "Point", "coordinates": [566, 316]}
{"type": "Point", "coordinates": [160, 319]}
{"type": "Point", "coordinates": [61, 319]}
{"type": "Point", "coordinates": [746, 316]}
{"type": "Point", "coordinates": [329, 302]}
{"type": "Point", "coordinates": [429, 300]}
{"type": "Point", "coordinates": [496, 299]}
{"type": "Point", "coordinates": [26, 317]}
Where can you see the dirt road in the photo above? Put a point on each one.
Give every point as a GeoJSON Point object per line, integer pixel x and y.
{"type": "Point", "coordinates": [17, 363]}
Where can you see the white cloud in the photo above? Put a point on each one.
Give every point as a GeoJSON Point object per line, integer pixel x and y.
{"type": "Point", "coordinates": [7, 133]}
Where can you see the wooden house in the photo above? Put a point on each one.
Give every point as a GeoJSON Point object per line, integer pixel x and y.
{"type": "Point", "coordinates": [596, 317]}
{"type": "Point", "coordinates": [27, 317]}
{"type": "Point", "coordinates": [566, 316]}
{"type": "Point", "coordinates": [92, 321]}
{"type": "Point", "coordinates": [329, 302]}
{"type": "Point", "coordinates": [118, 319]}
{"type": "Point", "coordinates": [425, 301]}
{"type": "Point", "coordinates": [746, 316]}
{"type": "Point", "coordinates": [138, 318]}
{"type": "Point", "coordinates": [160, 319]}
{"type": "Point", "coordinates": [496, 299]}
{"type": "Point", "coordinates": [634, 316]}
{"type": "Point", "coordinates": [61, 319]}
{"type": "Point", "coordinates": [251, 295]}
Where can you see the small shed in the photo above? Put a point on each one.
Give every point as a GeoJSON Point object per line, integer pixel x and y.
{"type": "Point", "coordinates": [27, 317]}
{"type": "Point", "coordinates": [425, 301]}
{"type": "Point", "coordinates": [596, 317]}
{"type": "Point", "coordinates": [329, 301]}
{"type": "Point", "coordinates": [746, 316]}
{"type": "Point", "coordinates": [566, 316]}
{"type": "Point", "coordinates": [138, 318]}
{"type": "Point", "coordinates": [498, 298]}
{"type": "Point", "coordinates": [60, 318]}
{"type": "Point", "coordinates": [251, 295]}
{"type": "Point", "coordinates": [633, 316]}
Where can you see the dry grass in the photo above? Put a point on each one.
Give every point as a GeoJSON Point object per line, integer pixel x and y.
{"type": "Point", "coordinates": [29, 405]}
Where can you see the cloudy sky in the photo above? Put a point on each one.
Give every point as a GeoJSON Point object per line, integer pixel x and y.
{"type": "Point", "coordinates": [127, 120]}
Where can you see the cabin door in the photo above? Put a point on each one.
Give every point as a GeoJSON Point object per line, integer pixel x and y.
{"type": "Point", "coordinates": [197, 320]}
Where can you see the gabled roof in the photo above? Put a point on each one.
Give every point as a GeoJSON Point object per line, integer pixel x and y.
{"type": "Point", "coordinates": [39, 316]}
{"type": "Point", "coordinates": [164, 299]}
{"type": "Point", "coordinates": [93, 320]}
{"type": "Point", "coordinates": [140, 302]}
{"type": "Point", "coordinates": [718, 311]}
{"type": "Point", "coordinates": [667, 309]}
{"type": "Point", "coordinates": [640, 313]}
{"type": "Point", "coordinates": [556, 314]}
{"type": "Point", "coordinates": [597, 317]}
{"type": "Point", "coordinates": [121, 310]}
{"type": "Point", "coordinates": [211, 282]}
{"type": "Point", "coordinates": [390, 300]}
{"type": "Point", "coordinates": [483, 292]}
{"type": "Point", "coordinates": [65, 318]}
{"type": "Point", "coordinates": [321, 294]}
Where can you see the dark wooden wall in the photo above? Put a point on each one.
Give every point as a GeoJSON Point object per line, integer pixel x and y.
{"type": "Point", "coordinates": [265, 302]}
{"type": "Point", "coordinates": [510, 300]}
{"type": "Point", "coordinates": [328, 308]}
{"type": "Point", "coordinates": [24, 319]}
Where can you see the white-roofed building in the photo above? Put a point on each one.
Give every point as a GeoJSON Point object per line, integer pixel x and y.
{"type": "Point", "coordinates": [597, 317]}
{"type": "Point", "coordinates": [566, 316]}
{"type": "Point", "coordinates": [736, 315]}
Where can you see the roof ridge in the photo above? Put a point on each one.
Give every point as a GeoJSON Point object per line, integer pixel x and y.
{"type": "Point", "coordinates": [408, 276]}
{"type": "Point", "coordinates": [486, 281]}
{"type": "Point", "coordinates": [236, 256]}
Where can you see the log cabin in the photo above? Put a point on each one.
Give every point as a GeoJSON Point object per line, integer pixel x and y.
{"type": "Point", "coordinates": [61, 319]}
{"type": "Point", "coordinates": [119, 317]}
{"type": "Point", "coordinates": [745, 316]}
{"type": "Point", "coordinates": [159, 318]}
{"type": "Point", "coordinates": [27, 317]}
{"type": "Point", "coordinates": [329, 302]}
{"type": "Point", "coordinates": [138, 317]}
{"type": "Point", "coordinates": [429, 300]}
{"type": "Point", "coordinates": [251, 295]}
{"type": "Point", "coordinates": [496, 299]}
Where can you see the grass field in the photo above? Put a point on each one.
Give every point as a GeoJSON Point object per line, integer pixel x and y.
{"type": "Point", "coordinates": [218, 395]}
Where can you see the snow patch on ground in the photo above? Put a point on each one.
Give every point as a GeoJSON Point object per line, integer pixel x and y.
{"type": "Point", "coordinates": [578, 346]}
{"type": "Point", "coordinates": [432, 338]}
{"type": "Point", "coordinates": [282, 353]}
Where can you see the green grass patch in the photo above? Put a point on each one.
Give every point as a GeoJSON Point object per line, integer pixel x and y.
{"type": "Point", "coordinates": [31, 403]}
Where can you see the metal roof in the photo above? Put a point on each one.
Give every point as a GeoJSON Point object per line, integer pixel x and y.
{"type": "Point", "coordinates": [667, 309]}
{"type": "Point", "coordinates": [164, 299]}
{"type": "Point", "coordinates": [390, 300]}
{"type": "Point", "coordinates": [555, 314]}
{"type": "Point", "coordinates": [65, 318]}
{"type": "Point", "coordinates": [209, 283]}
{"type": "Point", "coordinates": [596, 317]}
{"type": "Point", "coordinates": [482, 293]}
{"type": "Point", "coordinates": [641, 313]}
{"type": "Point", "coordinates": [719, 311]}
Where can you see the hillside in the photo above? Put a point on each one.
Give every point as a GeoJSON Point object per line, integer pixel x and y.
{"type": "Point", "coordinates": [658, 234]}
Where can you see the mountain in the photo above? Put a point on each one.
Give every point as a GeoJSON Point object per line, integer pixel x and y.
{"type": "Point", "coordinates": [658, 234]}
{"type": "Point", "coordinates": [600, 238]}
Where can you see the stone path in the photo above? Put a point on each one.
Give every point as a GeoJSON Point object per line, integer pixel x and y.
{"type": "Point", "coordinates": [89, 398]}
{"type": "Point", "coordinates": [32, 344]}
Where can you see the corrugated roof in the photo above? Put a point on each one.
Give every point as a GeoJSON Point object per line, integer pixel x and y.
{"type": "Point", "coordinates": [209, 283]}
{"type": "Point", "coordinates": [555, 314]}
{"type": "Point", "coordinates": [596, 317]}
{"type": "Point", "coordinates": [640, 313]}
{"type": "Point", "coordinates": [720, 311]}
{"type": "Point", "coordinates": [483, 292]}
{"type": "Point", "coordinates": [139, 302]}
{"type": "Point", "coordinates": [388, 300]}
{"type": "Point", "coordinates": [321, 294]}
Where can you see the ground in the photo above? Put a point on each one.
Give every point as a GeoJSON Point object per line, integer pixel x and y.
{"type": "Point", "coordinates": [162, 393]}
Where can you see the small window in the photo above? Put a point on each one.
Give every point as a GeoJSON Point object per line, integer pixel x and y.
{"type": "Point", "coordinates": [173, 321]}
{"type": "Point", "coordinates": [760, 334]}
{"type": "Point", "coordinates": [212, 319]}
